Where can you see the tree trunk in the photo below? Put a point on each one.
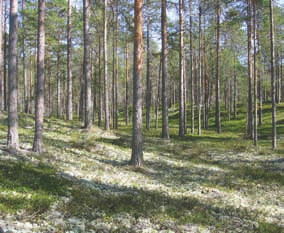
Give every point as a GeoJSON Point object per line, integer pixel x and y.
{"type": "Point", "coordinates": [148, 84]}
{"type": "Point", "coordinates": [126, 83]}
{"type": "Point", "coordinates": [250, 118]}
{"type": "Point", "coordinates": [217, 111]}
{"type": "Point", "coordinates": [39, 107]}
{"type": "Point", "coordinates": [5, 56]}
{"type": "Point", "coordinates": [191, 69]}
{"type": "Point", "coordinates": [87, 67]}
{"type": "Point", "coordinates": [200, 74]}
{"type": "Point", "coordinates": [157, 103]}
{"type": "Point", "coordinates": [113, 75]}
{"type": "Point", "coordinates": [116, 69]}
{"type": "Point", "coordinates": [165, 124]}
{"type": "Point", "coordinates": [235, 89]}
{"type": "Point", "coordinates": [95, 87]}
{"type": "Point", "coordinates": [59, 84]}
{"type": "Point", "coordinates": [181, 71]}
{"type": "Point", "coordinates": [69, 63]}
{"type": "Point", "coordinates": [13, 137]}
{"type": "Point", "coordinates": [31, 89]}
{"type": "Point", "coordinates": [272, 75]}
{"type": "Point", "coordinates": [254, 74]}
{"type": "Point", "coordinates": [24, 100]}
{"type": "Point", "coordinates": [137, 150]}
{"type": "Point", "coordinates": [106, 102]}
{"type": "Point", "coordinates": [49, 88]}
{"type": "Point", "coordinates": [100, 87]}
{"type": "Point", "coordinates": [1, 56]}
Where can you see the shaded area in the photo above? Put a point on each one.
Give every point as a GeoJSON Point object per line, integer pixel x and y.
{"type": "Point", "coordinates": [184, 165]}
{"type": "Point", "coordinates": [160, 207]}
{"type": "Point", "coordinates": [29, 186]}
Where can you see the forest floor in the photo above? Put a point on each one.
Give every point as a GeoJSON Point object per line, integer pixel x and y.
{"type": "Point", "coordinates": [83, 183]}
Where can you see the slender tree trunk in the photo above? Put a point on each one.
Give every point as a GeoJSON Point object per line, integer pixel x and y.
{"type": "Point", "coordinates": [24, 101]}
{"type": "Point", "coordinates": [278, 77]}
{"type": "Point", "coordinates": [250, 113]}
{"type": "Point", "coordinates": [281, 74]}
{"type": "Point", "coordinates": [255, 74]}
{"type": "Point", "coordinates": [113, 75]}
{"type": "Point", "coordinates": [106, 102]}
{"type": "Point", "coordinates": [116, 67]}
{"type": "Point", "coordinates": [199, 75]}
{"type": "Point", "coordinates": [126, 83]}
{"type": "Point", "coordinates": [49, 89]}
{"type": "Point", "coordinates": [137, 150]}
{"type": "Point", "coordinates": [87, 67]}
{"type": "Point", "coordinates": [59, 99]}
{"type": "Point", "coordinates": [95, 88]}
{"type": "Point", "coordinates": [30, 84]}
{"type": "Point", "coordinates": [165, 124]}
{"type": "Point", "coordinates": [148, 81]}
{"type": "Point", "coordinates": [13, 137]}
{"type": "Point", "coordinates": [181, 70]}
{"type": "Point", "coordinates": [1, 55]}
{"type": "Point", "coordinates": [157, 104]}
{"type": "Point", "coordinates": [260, 97]}
{"type": "Point", "coordinates": [69, 63]}
{"type": "Point", "coordinates": [82, 98]}
{"type": "Point", "coordinates": [100, 87]}
{"type": "Point", "coordinates": [272, 75]}
{"type": "Point", "coordinates": [217, 111]}
{"type": "Point", "coordinates": [235, 88]}
{"type": "Point", "coordinates": [5, 56]}
{"type": "Point", "coordinates": [39, 107]}
{"type": "Point", "coordinates": [191, 69]}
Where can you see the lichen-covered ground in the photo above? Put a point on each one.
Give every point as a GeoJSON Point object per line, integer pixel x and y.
{"type": "Point", "coordinates": [83, 183]}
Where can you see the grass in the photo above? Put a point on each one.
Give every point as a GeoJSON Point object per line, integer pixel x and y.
{"type": "Point", "coordinates": [217, 182]}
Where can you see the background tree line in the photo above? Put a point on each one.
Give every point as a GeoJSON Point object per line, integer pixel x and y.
{"type": "Point", "coordinates": [65, 58]}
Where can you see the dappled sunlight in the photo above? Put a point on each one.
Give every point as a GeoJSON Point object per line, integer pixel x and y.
{"type": "Point", "coordinates": [184, 185]}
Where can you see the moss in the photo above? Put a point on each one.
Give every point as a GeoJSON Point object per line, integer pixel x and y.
{"type": "Point", "coordinates": [30, 187]}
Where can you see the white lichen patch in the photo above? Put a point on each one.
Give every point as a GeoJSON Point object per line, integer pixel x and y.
{"type": "Point", "coordinates": [210, 192]}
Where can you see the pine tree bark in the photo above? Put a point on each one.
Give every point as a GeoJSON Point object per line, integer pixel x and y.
{"type": "Point", "coordinates": [69, 63]}
{"type": "Point", "coordinates": [254, 74]}
{"type": "Point", "coordinates": [116, 65]}
{"type": "Point", "coordinates": [1, 56]}
{"type": "Point", "coordinates": [116, 68]}
{"type": "Point", "coordinates": [100, 107]}
{"type": "Point", "coordinates": [113, 73]}
{"type": "Point", "coordinates": [272, 57]}
{"type": "Point", "coordinates": [24, 101]}
{"type": "Point", "coordinates": [137, 143]}
{"type": "Point", "coordinates": [106, 101]}
{"type": "Point", "coordinates": [87, 67]}
{"type": "Point", "coordinates": [126, 83]}
{"type": "Point", "coordinates": [200, 74]}
{"type": "Point", "coordinates": [165, 121]}
{"type": "Point", "coordinates": [5, 56]}
{"type": "Point", "coordinates": [157, 102]}
{"type": "Point", "coordinates": [191, 69]}
{"type": "Point", "coordinates": [59, 84]}
{"type": "Point", "coordinates": [181, 70]}
{"type": "Point", "coordinates": [39, 106]}
{"type": "Point", "coordinates": [235, 89]}
{"type": "Point", "coordinates": [217, 87]}
{"type": "Point", "coordinates": [148, 81]}
{"type": "Point", "coordinates": [13, 137]}
{"type": "Point", "coordinates": [250, 112]}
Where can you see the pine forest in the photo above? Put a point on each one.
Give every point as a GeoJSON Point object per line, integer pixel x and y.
{"type": "Point", "coordinates": [141, 116]}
